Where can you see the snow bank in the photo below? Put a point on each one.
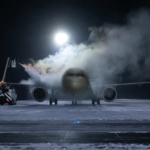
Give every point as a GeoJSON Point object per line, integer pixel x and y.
{"type": "Point", "coordinates": [66, 146]}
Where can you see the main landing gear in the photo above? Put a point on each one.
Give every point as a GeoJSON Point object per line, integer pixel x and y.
{"type": "Point", "coordinates": [96, 100]}
{"type": "Point", "coordinates": [74, 102]}
{"type": "Point", "coordinates": [51, 101]}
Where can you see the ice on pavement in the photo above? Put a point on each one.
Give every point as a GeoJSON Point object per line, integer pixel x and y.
{"type": "Point", "coordinates": [66, 146]}
{"type": "Point", "coordinates": [120, 109]}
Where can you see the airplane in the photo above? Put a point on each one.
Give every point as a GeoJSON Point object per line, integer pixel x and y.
{"type": "Point", "coordinates": [75, 86]}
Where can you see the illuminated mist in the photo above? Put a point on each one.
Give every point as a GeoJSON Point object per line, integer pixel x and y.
{"type": "Point", "coordinates": [113, 49]}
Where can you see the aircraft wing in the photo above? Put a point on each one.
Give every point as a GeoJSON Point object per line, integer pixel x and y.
{"type": "Point", "coordinates": [9, 83]}
{"type": "Point", "coordinates": [94, 83]}
{"type": "Point", "coordinates": [33, 85]}
{"type": "Point", "coordinates": [118, 84]}
{"type": "Point", "coordinates": [123, 84]}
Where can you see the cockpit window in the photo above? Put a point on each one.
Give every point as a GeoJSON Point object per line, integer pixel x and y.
{"type": "Point", "coordinates": [82, 75]}
{"type": "Point", "coordinates": [71, 74]}
{"type": "Point", "coordinates": [75, 74]}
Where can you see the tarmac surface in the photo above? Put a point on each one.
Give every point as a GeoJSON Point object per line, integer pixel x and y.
{"type": "Point", "coordinates": [71, 130]}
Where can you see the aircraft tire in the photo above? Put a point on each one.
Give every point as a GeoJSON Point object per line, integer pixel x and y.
{"type": "Point", "coordinates": [50, 102]}
{"type": "Point", "coordinates": [93, 101]}
{"type": "Point", "coordinates": [98, 101]}
{"type": "Point", "coordinates": [73, 102]}
{"type": "Point", "coordinates": [55, 101]}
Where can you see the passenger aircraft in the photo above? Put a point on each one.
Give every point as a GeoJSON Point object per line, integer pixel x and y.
{"type": "Point", "coordinates": [76, 86]}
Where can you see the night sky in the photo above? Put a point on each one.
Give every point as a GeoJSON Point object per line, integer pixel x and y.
{"type": "Point", "coordinates": [27, 29]}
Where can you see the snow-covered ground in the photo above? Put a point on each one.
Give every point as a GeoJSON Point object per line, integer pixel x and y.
{"type": "Point", "coordinates": [54, 146]}
{"type": "Point", "coordinates": [123, 109]}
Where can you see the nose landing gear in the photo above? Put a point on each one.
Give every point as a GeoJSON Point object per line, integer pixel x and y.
{"type": "Point", "coordinates": [74, 101]}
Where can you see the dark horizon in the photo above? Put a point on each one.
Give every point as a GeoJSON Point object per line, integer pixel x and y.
{"type": "Point", "coordinates": [27, 30]}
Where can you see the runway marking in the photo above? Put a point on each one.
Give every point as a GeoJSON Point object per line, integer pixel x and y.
{"type": "Point", "coordinates": [64, 137]}
{"type": "Point", "coordinates": [119, 137]}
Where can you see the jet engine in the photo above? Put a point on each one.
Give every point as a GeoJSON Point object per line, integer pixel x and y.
{"type": "Point", "coordinates": [109, 94]}
{"type": "Point", "coordinates": [39, 94]}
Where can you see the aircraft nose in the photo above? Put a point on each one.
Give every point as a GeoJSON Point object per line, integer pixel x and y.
{"type": "Point", "coordinates": [74, 86]}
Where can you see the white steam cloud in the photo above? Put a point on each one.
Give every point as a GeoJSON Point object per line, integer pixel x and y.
{"type": "Point", "coordinates": [113, 50]}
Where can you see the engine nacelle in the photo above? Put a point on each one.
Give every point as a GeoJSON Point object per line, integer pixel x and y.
{"type": "Point", "coordinates": [109, 94]}
{"type": "Point", "coordinates": [39, 94]}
